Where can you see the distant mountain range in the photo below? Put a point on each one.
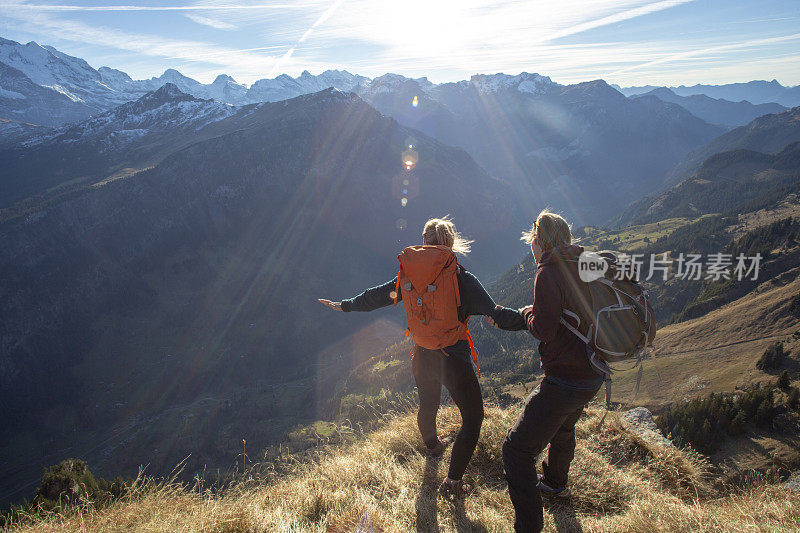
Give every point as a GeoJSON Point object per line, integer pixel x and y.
{"type": "Point", "coordinates": [725, 181]}
{"type": "Point", "coordinates": [133, 136]}
{"type": "Point", "coordinates": [582, 149]}
{"type": "Point", "coordinates": [68, 84]}
{"type": "Point", "coordinates": [767, 134]}
{"type": "Point", "coordinates": [755, 92]}
{"type": "Point", "coordinates": [713, 110]}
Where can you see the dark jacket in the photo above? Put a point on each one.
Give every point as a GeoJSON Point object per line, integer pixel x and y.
{"type": "Point", "coordinates": [474, 301]}
{"type": "Point", "coordinates": [556, 287]}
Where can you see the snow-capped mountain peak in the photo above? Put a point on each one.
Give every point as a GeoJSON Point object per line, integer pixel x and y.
{"type": "Point", "coordinates": [223, 79]}
{"type": "Point", "coordinates": [524, 82]}
{"type": "Point", "coordinates": [169, 92]}
{"type": "Point", "coordinates": [112, 75]}
{"type": "Point", "coordinates": [46, 66]}
{"type": "Point", "coordinates": [284, 86]}
{"type": "Point", "coordinates": [391, 83]}
{"type": "Point", "coordinates": [166, 109]}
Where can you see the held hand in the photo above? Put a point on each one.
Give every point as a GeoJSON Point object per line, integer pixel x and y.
{"type": "Point", "coordinates": [491, 321]}
{"type": "Point", "coordinates": [521, 309]}
{"type": "Point", "coordinates": [336, 306]}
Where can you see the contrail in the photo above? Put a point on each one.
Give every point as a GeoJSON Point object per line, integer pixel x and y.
{"type": "Point", "coordinates": [616, 17]}
{"type": "Point", "coordinates": [325, 16]}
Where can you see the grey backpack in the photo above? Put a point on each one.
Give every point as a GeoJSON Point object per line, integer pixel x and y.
{"type": "Point", "coordinates": [618, 323]}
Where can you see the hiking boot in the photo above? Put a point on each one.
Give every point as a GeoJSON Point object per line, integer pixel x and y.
{"type": "Point", "coordinates": [454, 489]}
{"type": "Point", "coordinates": [437, 451]}
{"type": "Point", "coordinates": [545, 487]}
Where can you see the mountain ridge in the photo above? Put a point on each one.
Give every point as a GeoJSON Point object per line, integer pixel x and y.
{"type": "Point", "coordinates": [755, 92]}
{"type": "Point", "coordinates": [716, 111]}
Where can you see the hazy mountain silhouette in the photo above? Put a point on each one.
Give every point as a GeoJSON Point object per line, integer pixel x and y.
{"type": "Point", "coordinates": [716, 111]}
{"type": "Point", "coordinates": [724, 181]}
{"type": "Point", "coordinates": [200, 276]}
{"type": "Point", "coordinates": [767, 134]}
{"type": "Point", "coordinates": [755, 92]}
{"type": "Point", "coordinates": [583, 149]}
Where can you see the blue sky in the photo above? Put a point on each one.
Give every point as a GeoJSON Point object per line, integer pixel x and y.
{"type": "Point", "coordinates": [630, 42]}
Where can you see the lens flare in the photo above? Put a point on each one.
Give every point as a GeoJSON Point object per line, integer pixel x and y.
{"type": "Point", "coordinates": [401, 223]}
{"type": "Point", "coordinates": [404, 201]}
{"type": "Point", "coordinates": [415, 102]}
{"type": "Point", "coordinates": [409, 158]}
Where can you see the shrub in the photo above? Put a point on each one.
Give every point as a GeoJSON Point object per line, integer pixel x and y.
{"type": "Point", "coordinates": [784, 381]}
{"type": "Point", "coordinates": [794, 306]}
{"type": "Point", "coordinates": [773, 358]}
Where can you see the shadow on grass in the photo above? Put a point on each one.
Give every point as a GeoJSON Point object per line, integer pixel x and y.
{"type": "Point", "coordinates": [564, 517]}
{"type": "Point", "coordinates": [463, 523]}
{"type": "Point", "coordinates": [427, 519]}
{"type": "Point", "coordinates": [426, 505]}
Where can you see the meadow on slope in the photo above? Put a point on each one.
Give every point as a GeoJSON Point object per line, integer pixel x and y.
{"type": "Point", "coordinates": [383, 482]}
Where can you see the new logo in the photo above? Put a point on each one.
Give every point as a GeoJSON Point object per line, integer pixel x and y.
{"type": "Point", "coordinates": [591, 266]}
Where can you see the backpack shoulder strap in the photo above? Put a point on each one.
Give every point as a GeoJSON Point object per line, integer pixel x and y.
{"type": "Point", "coordinates": [472, 349]}
{"type": "Point", "coordinates": [397, 285]}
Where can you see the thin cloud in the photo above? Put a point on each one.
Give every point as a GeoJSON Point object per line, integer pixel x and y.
{"type": "Point", "coordinates": [199, 7]}
{"type": "Point", "coordinates": [691, 54]}
{"type": "Point", "coordinates": [211, 22]}
{"type": "Point", "coordinates": [251, 63]}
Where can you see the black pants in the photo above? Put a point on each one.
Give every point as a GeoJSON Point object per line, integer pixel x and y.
{"type": "Point", "coordinates": [432, 369]}
{"type": "Point", "coordinates": [549, 416]}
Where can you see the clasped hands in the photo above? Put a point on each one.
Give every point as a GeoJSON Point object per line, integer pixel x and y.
{"type": "Point", "coordinates": [491, 321]}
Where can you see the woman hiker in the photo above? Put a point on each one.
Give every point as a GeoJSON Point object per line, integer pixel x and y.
{"type": "Point", "coordinates": [570, 382]}
{"type": "Point", "coordinates": [439, 296]}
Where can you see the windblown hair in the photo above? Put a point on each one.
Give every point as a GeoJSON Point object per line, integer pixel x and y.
{"type": "Point", "coordinates": [551, 229]}
{"type": "Point", "coordinates": [442, 231]}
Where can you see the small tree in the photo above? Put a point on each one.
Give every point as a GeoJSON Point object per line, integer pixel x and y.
{"type": "Point", "coordinates": [67, 482]}
{"type": "Point", "coordinates": [784, 381]}
{"type": "Point", "coordinates": [737, 425]}
{"type": "Point", "coordinates": [794, 306]}
{"type": "Point", "coordinates": [773, 357]}
{"type": "Point", "coordinates": [764, 413]}
{"type": "Point", "coordinates": [793, 401]}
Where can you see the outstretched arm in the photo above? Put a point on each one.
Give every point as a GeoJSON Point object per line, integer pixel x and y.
{"type": "Point", "coordinates": [369, 300]}
{"type": "Point", "coordinates": [336, 306]}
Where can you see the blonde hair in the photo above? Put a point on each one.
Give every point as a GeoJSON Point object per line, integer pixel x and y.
{"type": "Point", "coordinates": [442, 232]}
{"type": "Point", "coordinates": [551, 229]}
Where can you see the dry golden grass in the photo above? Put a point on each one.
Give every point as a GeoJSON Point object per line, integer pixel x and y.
{"type": "Point", "coordinates": [384, 483]}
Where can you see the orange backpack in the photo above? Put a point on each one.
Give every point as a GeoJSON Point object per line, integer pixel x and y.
{"type": "Point", "coordinates": [427, 279]}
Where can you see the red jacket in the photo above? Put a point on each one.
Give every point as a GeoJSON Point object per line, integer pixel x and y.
{"type": "Point", "coordinates": [557, 286]}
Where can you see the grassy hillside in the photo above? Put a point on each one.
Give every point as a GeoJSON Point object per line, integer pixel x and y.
{"type": "Point", "coordinates": [384, 483]}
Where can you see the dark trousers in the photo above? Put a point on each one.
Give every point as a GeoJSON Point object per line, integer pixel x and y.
{"type": "Point", "coordinates": [432, 369]}
{"type": "Point", "coordinates": [549, 416]}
